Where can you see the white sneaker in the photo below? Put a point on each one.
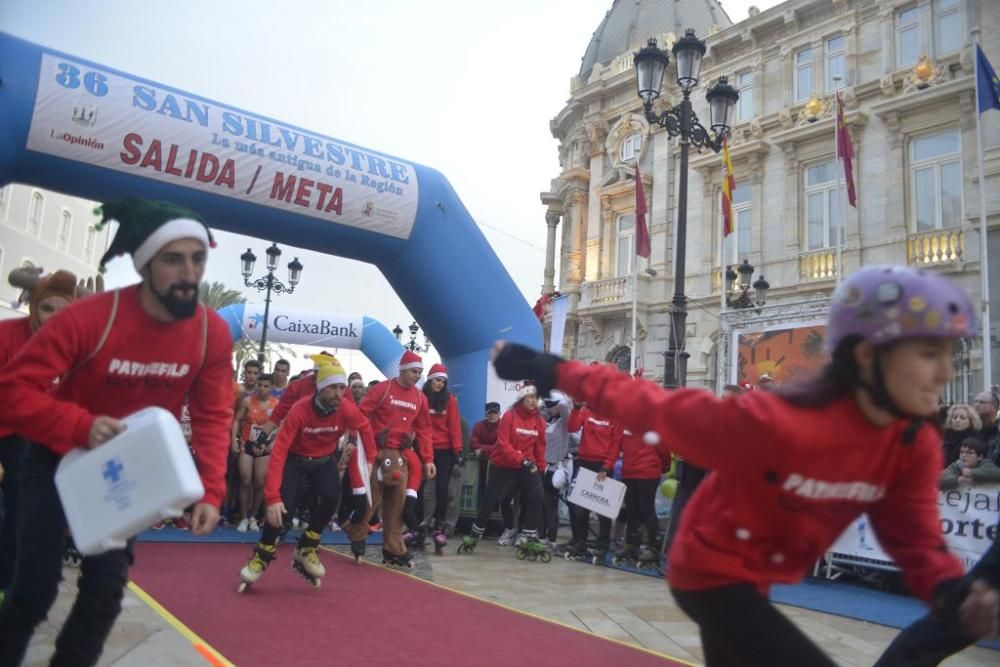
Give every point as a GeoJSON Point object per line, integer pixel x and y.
{"type": "Point", "coordinates": [507, 537]}
{"type": "Point", "coordinates": [253, 527]}
{"type": "Point", "coordinates": [243, 526]}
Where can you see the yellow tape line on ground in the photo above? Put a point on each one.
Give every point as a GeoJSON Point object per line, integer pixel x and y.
{"type": "Point", "coordinates": [213, 657]}
{"type": "Point", "coordinates": [513, 609]}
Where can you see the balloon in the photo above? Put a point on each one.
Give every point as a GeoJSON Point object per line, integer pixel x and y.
{"type": "Point", "coordinates": [672, 473]}
{"type": "Point", "coordinates": [669, 488]}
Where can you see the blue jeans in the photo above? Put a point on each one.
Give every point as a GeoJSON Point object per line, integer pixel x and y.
{"type": "Point", "coordinates": [40, 540]}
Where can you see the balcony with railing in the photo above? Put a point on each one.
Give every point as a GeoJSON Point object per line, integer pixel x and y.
{"type": "Point", "coordinates": [939, 247]}
{"type": "Point", "coordinates": [818, 265]}
{"type": "Point", "coordinates": [611, 294]}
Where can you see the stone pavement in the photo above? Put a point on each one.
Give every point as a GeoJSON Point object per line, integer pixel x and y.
{"type": "Point", "coordinates": [627, 607]}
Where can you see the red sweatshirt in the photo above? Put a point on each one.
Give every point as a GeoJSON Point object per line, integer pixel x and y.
{"type": "Point", "coordinates": [446, 427]}
{"type": "Point", "coordinates": [13, 334]}
{"type": "Point", "coordinates": [143, 362]}
{"type": "Point", "coordinates": [294, 392]}
{"type": "Point", "coordinates": [642, 461]}
{"type": "Point", "coordinates": [601, 439]}
{"type": "Point", "coordinates": [484, 436]}
{"type": "Point", "coordinates": [520, 436]}
{"type": "Point", "coordinates": [306, 432]}
{"type": "Point", "coordinates": [787, 481]}
{"type": "Point", "coordinates": [401, 411]}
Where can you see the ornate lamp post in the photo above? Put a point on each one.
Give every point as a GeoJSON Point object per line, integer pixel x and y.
{"type": "Point", "coordinates": [744, 272]}
{"type": "Point", "coordinates": [412, 345]}
{"type": "Point", "coordinates": [680, 121]}
{"type": "Point", "coordinates": [269, 283]}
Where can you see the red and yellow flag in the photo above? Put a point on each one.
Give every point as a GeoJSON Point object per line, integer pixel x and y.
{"type": "Point", "coordinates": [728, 185]}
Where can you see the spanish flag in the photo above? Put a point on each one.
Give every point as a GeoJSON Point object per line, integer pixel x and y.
{"type": "Point", "coordinates": [728, 185]}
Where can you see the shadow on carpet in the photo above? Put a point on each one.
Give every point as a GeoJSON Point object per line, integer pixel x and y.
{"type": "Point", "coordinates": [360, 615]}
{"type": "Point", "coordinates": [230, 535]}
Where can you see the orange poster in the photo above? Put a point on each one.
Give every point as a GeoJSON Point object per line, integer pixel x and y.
{"type": "Point", "coordinates": [784, 354]}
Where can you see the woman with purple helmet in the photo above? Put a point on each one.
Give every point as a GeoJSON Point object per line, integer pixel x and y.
{"type": "Point", "coordinates": [794, 467]}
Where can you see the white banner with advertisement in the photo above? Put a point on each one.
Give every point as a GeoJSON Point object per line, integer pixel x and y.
{"type": "Point", "coordinates": [969, 523]}
{"type": "Point", "coordinates": [604, 497]}
{"type": "Point", "coordinates": [560, 309]}
{"type": "Point", "coordinates": [105, 119]}
{"type": "Point", "coordinates": [305, 327]}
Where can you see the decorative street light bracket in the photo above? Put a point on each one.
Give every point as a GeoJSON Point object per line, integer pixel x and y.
{"type": "Point", "coordinates": [268, 283]}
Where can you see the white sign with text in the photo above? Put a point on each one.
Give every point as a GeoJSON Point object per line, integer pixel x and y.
{"type": "Point", "coordinates": [604, 497]}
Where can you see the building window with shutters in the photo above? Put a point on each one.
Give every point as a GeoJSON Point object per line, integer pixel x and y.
{"type": "Point", "coordinates": [822, 205]}
{"type": "Point", "coordinates": [736, 246]}
{"type": "Point", "coordinates": [35, 210]}
{"type": "Point", "coordinates": [65, 227]}
{"type": "Point", "coordinates": [625, 244]}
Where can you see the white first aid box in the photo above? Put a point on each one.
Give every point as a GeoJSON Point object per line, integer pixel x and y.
{"type": "Point", "coordinates": [604, 497]}
{"type": "Point", "coordinates": [115, 491]}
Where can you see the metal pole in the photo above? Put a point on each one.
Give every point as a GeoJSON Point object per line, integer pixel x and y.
{"type": "Point", "coordinates": [267, 314]}
{"type": "Point", "coordinates": [635, 289]}
{"type": "Point", "coordinates": [675, 368]}
{"type": "Point", "coordinates": [841, 191]}
{"type": "Point", "coordinates": [984, 265]}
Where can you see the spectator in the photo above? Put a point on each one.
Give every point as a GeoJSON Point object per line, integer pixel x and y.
{"type": "Point", "coordinates": [986, 404]}
{"type": "Point", "coordinates": [558, 408]}
{"type": "Point", "coordinates": [765, 381]}
{"type": "Point", "coordinates": [600, 442]}
{"type": "Point", "coordinates": [358, 389]}
{"type": "Point", "coordinates": [482, 441]}
{"type": "Point", "coordinates": [972, 467]}
{"type": "Point", "coordinates": [961, 422]}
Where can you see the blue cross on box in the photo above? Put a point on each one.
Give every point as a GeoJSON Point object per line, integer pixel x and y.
{"type": "Point", "coordinates": [113, 470]}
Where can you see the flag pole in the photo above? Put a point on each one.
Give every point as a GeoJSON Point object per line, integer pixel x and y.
{"type": "Point", "coordinates": [841, 192]}
{"type": "Point", "coordinates": [635, 290]}
{"type": "Point", "coordinates": [984, 265]}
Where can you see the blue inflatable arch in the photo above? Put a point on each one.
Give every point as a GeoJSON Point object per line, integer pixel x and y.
{"type": "Point", "coordinates": [85, 129]}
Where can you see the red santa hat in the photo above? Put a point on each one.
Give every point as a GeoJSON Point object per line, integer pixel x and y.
{"type": "Point", "coordinates": [438, 371]}
{"type": "Point", "coordinates": [410, 360]}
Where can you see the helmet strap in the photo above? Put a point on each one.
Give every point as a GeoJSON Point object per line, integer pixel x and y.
{"type": "Point", "coordinates": [879, 394]}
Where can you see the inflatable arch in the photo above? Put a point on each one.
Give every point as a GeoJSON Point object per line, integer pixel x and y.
{"type": "Point", "coordinates": [332, 330]}
{"type": "Point", "coordinates": [88, 130]}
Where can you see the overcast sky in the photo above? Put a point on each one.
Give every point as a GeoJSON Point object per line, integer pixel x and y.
{"type": "Point", "coordinates": [465, 86]}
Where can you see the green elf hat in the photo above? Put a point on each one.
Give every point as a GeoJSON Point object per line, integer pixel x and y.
{"type": "Point", "coordinates": [145, 226]}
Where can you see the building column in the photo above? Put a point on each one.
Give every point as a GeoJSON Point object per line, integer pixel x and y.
{"type": "Point", "coordinates": [552, 220]}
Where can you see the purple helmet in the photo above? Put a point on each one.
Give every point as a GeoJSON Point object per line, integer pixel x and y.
{"type": "Point", "coordinates": [886, 303]}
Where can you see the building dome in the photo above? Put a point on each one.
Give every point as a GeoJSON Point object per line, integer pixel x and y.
{"type": "Point", "coordinates": [629, 23]}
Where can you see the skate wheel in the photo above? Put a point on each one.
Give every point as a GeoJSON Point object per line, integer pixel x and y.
{"type": "Point", "coordinates": [545, 556]}
{"type": "Point", "coordinates": [243, 587]}
{"type": "Point", "coordinates": [316, 583]}
{"type": "Point", "coordinates": [567, 556]}
{"type": "Point", "coordinates": [594, 561]}
{"type": "Point", "coordinates": [521, 555]}
{"type": "Point", "coordinates": [532, 556]}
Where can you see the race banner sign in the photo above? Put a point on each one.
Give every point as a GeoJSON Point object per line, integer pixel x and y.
{"type": "Point", "coordinates": [604, 497]}
{"type": "Point", "coordinates": [969, 523]}
{"type": "Point", "coordinates": [305, 327]}
{"type": "Point", "coordinates": [106, 119]}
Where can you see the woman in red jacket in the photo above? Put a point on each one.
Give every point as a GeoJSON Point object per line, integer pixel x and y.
{"type": "Point", "coordinates": [793, 468]}
{"type": "Point", "coordinates": [642, 467]}
{"type": "Point", "coordinates": [516, 459]}
{"type": "Point", "coordinates": [446, 436]}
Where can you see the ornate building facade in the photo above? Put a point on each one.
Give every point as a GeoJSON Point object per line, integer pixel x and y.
{"type": "Point", "coordinates": [905, 71]}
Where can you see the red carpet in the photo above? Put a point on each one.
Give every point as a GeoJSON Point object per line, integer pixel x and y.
{"type": "Point", "coordinates": [362, 615]}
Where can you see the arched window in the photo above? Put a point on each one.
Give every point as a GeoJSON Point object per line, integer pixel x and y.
{"type": "Point", "coordinates": [65, 225]}
{"type": "Point", "coordinates": [631, 147]}
{"type": "Point", "coordinates": [35, 214]}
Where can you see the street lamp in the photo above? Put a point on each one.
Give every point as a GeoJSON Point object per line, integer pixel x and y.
{"type": "Point", "coordinates": [680, 121]}
{"type": "Point", "coordinates": [412, 345]}
{"type": "Point", "coordinates": [269, 283]}
{"type": "Point", "coordinates": [744, 273]}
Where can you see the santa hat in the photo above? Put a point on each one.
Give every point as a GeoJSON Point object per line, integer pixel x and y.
{"type": "Point", "coordinates": [410, 360]}
{"type": "Point", "coordinates": [144, 227]}
{"type": "Point", "coordinates": [323, 357]}
{"type": "Point", "coordinates": [438, 371]}
{"type": "Point", "coordinates": [61, 283]}
{"type": "Point", "coordinates": [328, 373]}
{"type": "Point", "coordinates": [527, 390]}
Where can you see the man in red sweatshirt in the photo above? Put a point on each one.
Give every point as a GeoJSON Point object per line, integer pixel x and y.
{"type": "Point", "coordinates": [600, 442]}
{"type": "Point", "coordinates": [305, 452]}
{"type": "Point", "coordinates": [47, 296]}
{"type": "Point", "coordinates": [115, 353]}
{"type": "Point", "coordinates": [399, 408]}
